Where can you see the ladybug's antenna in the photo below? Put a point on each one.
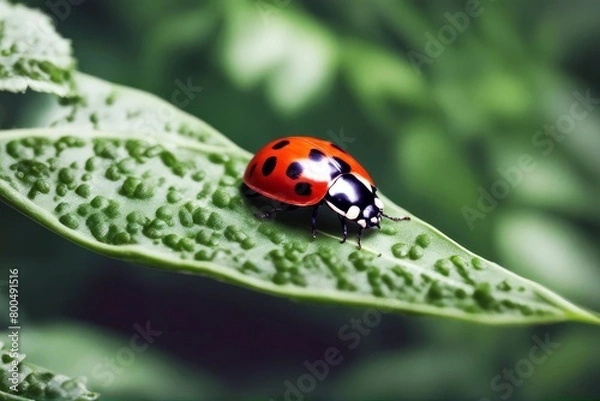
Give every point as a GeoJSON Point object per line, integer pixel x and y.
{"type": "Point", "coordinates": [402, 218]}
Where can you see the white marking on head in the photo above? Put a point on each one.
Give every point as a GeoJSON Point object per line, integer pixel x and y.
{"type": "Point", "coordinates": [378, 203]}
{"type": "Point", "coordinates": [374, 220]}
{"type": "Point", "coordinates": [362, 223]}
{"type": "Point", "coordinates": [353, 212]}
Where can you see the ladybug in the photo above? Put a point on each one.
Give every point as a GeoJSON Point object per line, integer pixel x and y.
{"type": "Point", "coordinates": [302, 171]}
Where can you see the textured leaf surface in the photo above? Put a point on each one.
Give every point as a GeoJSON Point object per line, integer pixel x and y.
{"type": "Point", "coordinates": [101, 105]}
{"type": "Point", "coordinates": [177, 205]}
{"type": "Point", "coordinates": [37, 383]}
{"type": "Point", "coordinates": [76, 348]}
{"type": "Point", "coordinates": [128, 175]}
{"type": "Point", "coordinates": [32, 54]}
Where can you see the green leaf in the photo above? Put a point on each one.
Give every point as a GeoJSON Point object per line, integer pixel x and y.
{"type": "Point", "coordinates": [32, 54]}
{"type": "Point", "coordinates": [377, 377]}
{"type": "Point", "coordinates": [128, 175]}
{"type": "Point", "coordinates": [81, 349]}
{"type": "Point", "coordinates": [375, 74]}
{"type": "Point", "coordinates": [294, 56]}
{"type": "Point", "coordinates": [541, 246]}
{"type": "Point", "coordinates": [35, 383]}
{"type": "Point", "coordinates": [105, 106]}
{"type": "Point", "coordinates": [176, 204]}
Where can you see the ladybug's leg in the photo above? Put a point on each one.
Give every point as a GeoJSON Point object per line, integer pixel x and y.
{"type": "Point", "coordinates": [359, 233]}
{"type": "Point", "coordinates": [268, 214]}
{"type": "Point", "coordinates": [271, 212]}
{"type": "Point", "coordinates": [344, 228]}
{"type": "Point", "coordinates": [314, 221]}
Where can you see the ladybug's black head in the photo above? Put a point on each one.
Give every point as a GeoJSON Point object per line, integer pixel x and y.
{"type": "Point", "coordinates": [354, 198]}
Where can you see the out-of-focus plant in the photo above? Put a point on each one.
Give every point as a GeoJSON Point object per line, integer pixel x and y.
{"type": "Point", "coordinates": [471, 114]}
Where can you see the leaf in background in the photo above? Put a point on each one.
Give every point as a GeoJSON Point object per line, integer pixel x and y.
{"type": "Point", "coordinates": [501, 94]}
{"type": "Point", "coordinates": [584, 146]}
{"type": "Point", "coordinates": [171, 35]}
{"type": "Point", "coordinates": [149, 374]}
{"type": "Point", "coordinates": [105, 106]}
{"type": "Point", "coordinates": [424, 154]}
{"type": "Point", "coordinates": [582, 142]}
{"type": "Point", "coordinates": [565, 32]}
{"type": "Point", "coordinates": [550, 251]}
{"type": "Point", "coordinates": [294, 56]}
{"type": "Point", "coordinates": [176, 205]}
{"type": "Point", "coordinates": [550, 181]}
{"type": "Point", "coordinates": [412, 373]}
{"type": "Point", "coordinates": [409, 21]}
{"type": "Point", "coordinates": [33, 55]}
{"type": "Point", "coordinates": [382, 82]}
{"type": "Point", "coordinates": [37, 384]}
{"type": "Point", "coordinates": [475, 99]}
{"type": "Point", "coordinates": [578, 350]}
{"type": "Point", "coordinates": [170, 197]}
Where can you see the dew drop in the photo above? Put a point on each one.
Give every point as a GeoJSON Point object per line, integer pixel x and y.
{"type": "Point", "coordinates": [113, 174]}
{"type": "Point", "coordinates": [83, 190]}
{"type": "Point", "coordinates": [62, 207]}
{"type": "Point", "coordinates": [221, 198]}
{"type": "Point", "coordinates": [66, 176]}
{"type": "Point", "coordinates": [84, 209]}
{"type": "Point", "coordinates": [435, 291]}
{"type": "Point", "coordinates": [204, 255]}
{"type": "Point", "coordinates": [400, 250]}
{"type": "Point", "coordinates": [99, 202]}
{"type": "Point", "coordinates": [185, 218]}
{"type": "Point", "coordinates": [423, 240]}
{"type": "Point", "coordinates": [200, 216]}
{"type": "Point", "coordinates": [443, 267]}
{"type": "Point", "coordinates": [42, 186]}
{"type": "Point", "coordinates": [218, 158]}
{"type": "Point", "coordinates": [174, 196]}
{"type": "Point", "coordinates": [70, 220]}
{"type": "Point", "coordinates": [416, 252]}
{"type": "Point", "coordinates": [215, 221]}
{"type": "Point", "coordinates": [504, 286]}
{"type": "Point", "coordinates": [483, 296]}
{"type": "Point", "coordinates": [62, 190]}
{"type": "Point", "coordinates": [477, 264]}
{"type": "Point", "coordinates": [165, 213]}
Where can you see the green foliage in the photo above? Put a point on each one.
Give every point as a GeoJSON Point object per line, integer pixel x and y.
{"type": "Point", "coordinates": [170, 197]}
{"type": "Point", "coordinates": [103, 106]}
{"type": "Point", "coordinates": [33, 55]}
{"type": "Point", "coordinates": [98, 353]}
{"type": "Point", "coordinates": [35, 383]}
{"type": "Point", "coordinates": [176, 204]}
{"type": "Point", "coordinates": [432, 137]}
{"type": "Point", "coordinates": [291, 55]}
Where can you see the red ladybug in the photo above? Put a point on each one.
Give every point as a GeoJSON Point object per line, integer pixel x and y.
{"type": "Point", "coordinates": [304, 171]}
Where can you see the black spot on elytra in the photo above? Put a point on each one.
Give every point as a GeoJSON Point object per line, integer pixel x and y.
{"type": "Point", "coordinates": [345, 167]}
{"type": "Point", "coordinates": [280, 144]}
{"type": "Point", "coordinates": [252, 168]}
{"type": "Point", "coordinates": [303, 189]}
{"type": "Point", "coordinates": [337, 147]}
{"type": "Point", "coordinates": [294, 170]}
{"type": "Point", "coordinates": [269, 165]}
{"type": "Point", "coordinates": [316, 155]}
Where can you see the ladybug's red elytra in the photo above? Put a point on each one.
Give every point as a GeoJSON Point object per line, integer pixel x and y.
{"type": "Point", "coordinates": [305, 171]}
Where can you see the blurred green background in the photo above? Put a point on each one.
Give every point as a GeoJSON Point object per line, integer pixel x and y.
{"type": "Point", "coordinates": [485, 86]}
